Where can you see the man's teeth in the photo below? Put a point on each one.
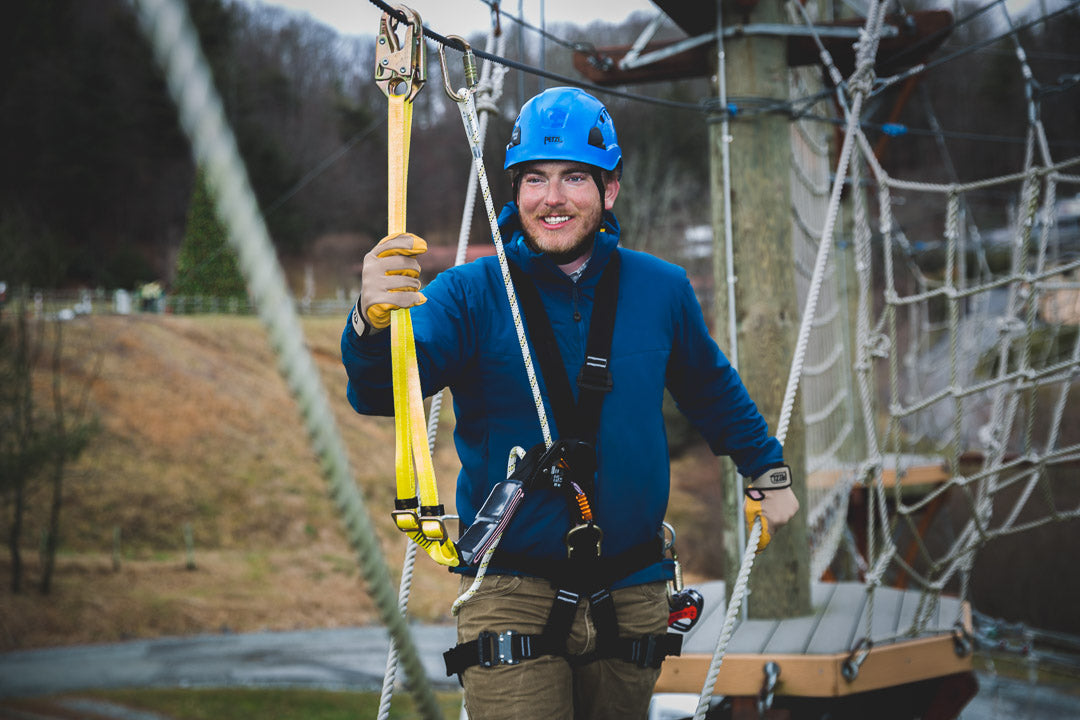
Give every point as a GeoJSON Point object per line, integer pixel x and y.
{"type": "Point", "coordinates": [556, 219]}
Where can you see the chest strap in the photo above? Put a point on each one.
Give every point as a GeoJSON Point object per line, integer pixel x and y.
{"type": "Point", "coordinates": [581, 419]}
{"type": "Point", "coordinates": [576, 422]}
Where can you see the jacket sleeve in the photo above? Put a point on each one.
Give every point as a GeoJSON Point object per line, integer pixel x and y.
{"type": "Point", "coordinates": [444, 337]}
{"type": "Point", "coordinates": [709, 391]}
{"type": "Point", "coordinates": [367, 364]}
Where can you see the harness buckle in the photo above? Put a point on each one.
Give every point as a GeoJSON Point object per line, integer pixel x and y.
{"type": "Point", "coordinates": [497, 648]}
{"type": "Point", "coordinates": [583, 542]}
{"type": "Point", "coordinates": [406, 520]}
{"type": "Point", "coordinates": [432, 527]}
{"type": "Point", "coordinates": [643, 652]}
{"type": "Point", "coordinates": [401, 65]}
{"type": "Point", "coordinates": [595, 375]}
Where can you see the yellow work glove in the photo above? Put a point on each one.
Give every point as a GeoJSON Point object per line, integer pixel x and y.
{"type": "Point", "coordinates": [752, 509]}
{"type": "Point", "coordinates": [391, 278]}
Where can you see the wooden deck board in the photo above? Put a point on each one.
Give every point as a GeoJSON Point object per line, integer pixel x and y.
{"type": "Point", "coordinates": [835, 631]}
{"type": "Point", "coordinates": [913, 471]}
{"type": "Point", "coordinates": [811, 650]}
{"type": "Point", "coordinates": [702, 639]}
{"type": "Point", "coordinates": [887, 611]}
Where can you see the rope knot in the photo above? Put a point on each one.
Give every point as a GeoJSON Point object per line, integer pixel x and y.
{"type": "Point", "coordinates": [878, 345]}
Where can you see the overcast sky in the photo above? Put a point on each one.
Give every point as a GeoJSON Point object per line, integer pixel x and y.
{"type": "Point", "coordinates": [462, 17]}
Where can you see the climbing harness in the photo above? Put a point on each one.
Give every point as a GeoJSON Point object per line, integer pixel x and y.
{"type": "Point", "coordinates": [568, 467]}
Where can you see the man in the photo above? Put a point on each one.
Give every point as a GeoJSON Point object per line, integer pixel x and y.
{"type": "Point", "coordinates": [570, 620]}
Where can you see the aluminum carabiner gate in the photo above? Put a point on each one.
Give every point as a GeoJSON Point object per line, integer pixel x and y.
{"type": "Point", "coordinates": [401, 65]}
{"type": "Point", "coordinates": [469, 62]}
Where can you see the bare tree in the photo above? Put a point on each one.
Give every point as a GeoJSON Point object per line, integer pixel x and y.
{"type": "Point", "coordinates": [71, 433]}
{"type": "Point", "coordinates": [34, 448]}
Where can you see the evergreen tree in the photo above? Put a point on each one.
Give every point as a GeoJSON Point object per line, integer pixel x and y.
{"type": "Point", "coordinates": [206, 264]}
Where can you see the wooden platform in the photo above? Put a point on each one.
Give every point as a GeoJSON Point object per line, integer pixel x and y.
{"type": "Point", "coordinates": [914, 470]}
{"type": "Point", "coordinates": [811, 651]}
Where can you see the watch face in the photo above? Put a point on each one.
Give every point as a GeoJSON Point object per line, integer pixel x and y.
{"type": "Point", "coordinates": [778, 477]}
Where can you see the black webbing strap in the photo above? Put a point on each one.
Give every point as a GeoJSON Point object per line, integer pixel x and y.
{"type": "Point", "coordinates": [560, 620]}
{"type": "Point", "coordinates": [594, 379]}
{"type": "Point", "coordinates": [583, 577]}
{"type": "Point", "coordinates": [582, 419]}
{"type": "Point", "coordinates": [510, 647]}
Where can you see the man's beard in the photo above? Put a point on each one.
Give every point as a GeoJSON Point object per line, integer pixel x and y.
{"type": "Point", "coordinates": [580, 249]}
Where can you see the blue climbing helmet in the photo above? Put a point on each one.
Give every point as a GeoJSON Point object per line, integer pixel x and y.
{"type": "Point", "coordinates": [564, 123]}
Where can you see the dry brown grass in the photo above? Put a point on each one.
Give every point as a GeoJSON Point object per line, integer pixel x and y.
{"type": "Point", "coordinates": [198, 427]}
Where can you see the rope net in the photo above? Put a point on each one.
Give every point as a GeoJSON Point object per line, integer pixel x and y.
{"type": "Point", "coordinates": [948, 379]}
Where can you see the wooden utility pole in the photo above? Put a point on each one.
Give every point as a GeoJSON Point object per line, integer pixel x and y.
{"type": "Point", "coordinates": [766, 306]}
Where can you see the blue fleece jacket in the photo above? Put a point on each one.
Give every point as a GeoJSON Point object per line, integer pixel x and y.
{"type": "Point", "coordinates": [466, 341]}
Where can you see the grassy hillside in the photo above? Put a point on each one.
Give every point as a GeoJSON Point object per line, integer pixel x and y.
{"type": "Point", "coordinates": [198, 428]}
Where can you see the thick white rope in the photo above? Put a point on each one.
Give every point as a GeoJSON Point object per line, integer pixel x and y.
{"type": "Point", "coordinates": [169, 29]}
{"type": "Point", "coordinates": [467, 109]}
{"type": "Point", "coordinates": [472, 132]}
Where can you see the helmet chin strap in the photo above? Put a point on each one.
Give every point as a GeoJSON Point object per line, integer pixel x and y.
{"type": "Point", "coordinates": [598, 178]}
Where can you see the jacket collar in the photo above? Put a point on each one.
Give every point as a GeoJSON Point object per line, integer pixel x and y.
{"type": "Point", "coordinates": [539, 265]}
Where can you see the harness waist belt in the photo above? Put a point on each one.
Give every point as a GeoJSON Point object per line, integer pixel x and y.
{"type": "Point", "coordinates": [582, 575]}
{"type": "Point", "coordinates": [510, 648]}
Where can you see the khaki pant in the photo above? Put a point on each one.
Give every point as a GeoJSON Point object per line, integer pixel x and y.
{"type": "Point", "coordinates": [549, 687]}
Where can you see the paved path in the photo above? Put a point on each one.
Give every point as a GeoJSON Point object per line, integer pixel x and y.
{"type": "Point", "coordinates": [352, 658]}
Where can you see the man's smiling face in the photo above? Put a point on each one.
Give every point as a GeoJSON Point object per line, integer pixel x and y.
{"type": "Point", "coordinates": [561, 208]}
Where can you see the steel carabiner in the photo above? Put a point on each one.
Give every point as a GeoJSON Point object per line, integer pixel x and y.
{"type": "Point", "coordinates": [468, 60]}
{"type": "Point", "coordinates": [401, 65]}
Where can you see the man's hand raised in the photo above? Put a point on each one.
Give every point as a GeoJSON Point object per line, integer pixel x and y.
{"type": "Point", "coordinates": [391, 278]}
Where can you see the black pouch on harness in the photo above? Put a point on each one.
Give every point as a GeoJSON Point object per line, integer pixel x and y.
{"type": "Point", "coordinates": [541, 466]}
{"type": "Point", "coordinates": [493, 517]}
{"type": "Point", "coordinates": [564, 462]}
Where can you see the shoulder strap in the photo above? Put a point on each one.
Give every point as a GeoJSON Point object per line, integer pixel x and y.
{"type": "Point", "coordinates": [594, 381]}
{"type": "Point", "coordinates": [546, 348]}
{"type": "Point", "coordinates": [580, 420]}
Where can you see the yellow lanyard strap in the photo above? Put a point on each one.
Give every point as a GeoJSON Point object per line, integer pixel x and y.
{"type": "Point", "coordinates": [413, 465]}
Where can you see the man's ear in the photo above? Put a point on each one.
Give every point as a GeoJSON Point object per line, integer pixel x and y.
{"type": "Point", "coordinates": [611, 191]}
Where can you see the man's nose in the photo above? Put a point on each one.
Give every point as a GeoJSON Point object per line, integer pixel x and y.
{"type": "Point", "coordinates": [554, 194]}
